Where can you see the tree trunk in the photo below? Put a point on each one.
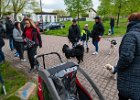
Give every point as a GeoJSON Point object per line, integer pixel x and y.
{"type": "Point", "coordinates": [15, 16]}
{"type": "Point", "coordinates": [119, 14]}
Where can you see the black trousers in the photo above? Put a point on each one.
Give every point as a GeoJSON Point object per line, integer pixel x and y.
{"type": "Point", "coordinates": [20, 48]}
{"type": "Point", "coordinates": [31, 53]}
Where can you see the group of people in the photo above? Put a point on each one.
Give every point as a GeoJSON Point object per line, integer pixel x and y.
{"type": "Point", "coordinates": [97, 32]}
{"type": "Point", "coordinates": [127, 68]}
{"type": "Point", "coordinates": [22, 34]}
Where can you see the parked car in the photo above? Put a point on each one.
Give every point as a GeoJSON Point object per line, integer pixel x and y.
{"type": "Point", "coordinates": [51, 26]}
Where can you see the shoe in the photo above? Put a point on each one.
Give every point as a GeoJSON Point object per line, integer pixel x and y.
{"type": "Point", "coordinates": [23, 60]}
{"type": "Point", "coordinates": [87, 50]}
{"type": "Point", "coordinates": [31, 70]}
{"type": "Point", "coordinates": [94, 53]}
{"type": "Point", "coordinates": [16, 55]}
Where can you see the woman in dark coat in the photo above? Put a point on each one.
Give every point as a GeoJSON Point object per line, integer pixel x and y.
{"type": "Point", "coordinates": [128, 66]}
{"type": "Point", "coordinates": [96, 33]}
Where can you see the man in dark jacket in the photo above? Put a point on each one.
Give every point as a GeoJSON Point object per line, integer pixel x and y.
{"type": "Point", "coordinates": [74, 33]}
{"type": "Point", "coordinates": [96, 33]}
{"type": "Point", "coordinates": [9, 32]}
{"type": "Point", "coordinates": [112, 22]}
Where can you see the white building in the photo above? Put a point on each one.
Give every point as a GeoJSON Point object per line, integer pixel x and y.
{"type": "Point", "coordinates": [47, 17]}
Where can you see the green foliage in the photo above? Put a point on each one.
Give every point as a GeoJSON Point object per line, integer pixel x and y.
{"type": "Point", "coordinates": [77, 7]}
{"type": "Point", "coordinates": [111, 7]}
{"type": "Point", "coordinates": [119, 31]}
{"type": "Point", "coordinates": [14, 79]}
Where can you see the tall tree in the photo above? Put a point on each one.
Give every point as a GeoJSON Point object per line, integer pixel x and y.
{"type": "Point", "coordinates": [60, 13]}
{"type": "Point", "coordinates": [17, 6]}
{"type": "Point", "coordinates": [3, 6]}
{"type": "Point", "coordinates": [77, 7]}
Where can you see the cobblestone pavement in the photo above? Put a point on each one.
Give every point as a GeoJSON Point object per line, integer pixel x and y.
{"type": "Point", "coordinates": [92, 65]}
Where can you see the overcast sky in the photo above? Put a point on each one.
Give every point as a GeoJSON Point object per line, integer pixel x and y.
{"type": "Point", "coordinates": [49, 5]}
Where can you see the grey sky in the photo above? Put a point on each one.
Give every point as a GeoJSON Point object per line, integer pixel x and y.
{"type": "Point", "coordinates": [49, 5]}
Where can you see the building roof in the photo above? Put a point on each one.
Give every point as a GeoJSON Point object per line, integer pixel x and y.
{"type": "Point", "coordinates": [45, 13]}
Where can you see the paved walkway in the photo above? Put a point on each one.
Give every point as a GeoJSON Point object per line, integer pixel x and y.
{"type": "Point", "coordinates": [93, 64]}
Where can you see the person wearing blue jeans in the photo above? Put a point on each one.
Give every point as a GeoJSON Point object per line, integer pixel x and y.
{"type": "Point", "coordinates": [96, 33]}
{"type": "Point", "coordinates": [95, 43]}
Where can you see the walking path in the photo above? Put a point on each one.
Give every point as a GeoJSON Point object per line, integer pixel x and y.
{"type": "Point", "coordinates": [93, 64]}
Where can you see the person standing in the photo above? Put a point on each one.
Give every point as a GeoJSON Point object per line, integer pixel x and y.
{"type": "Point", "coordinates": [128, 65]}
{"type": "Point", "coordinates": [9, 32]}
{"type": "Point", "coordinates": [112, 23]}
{"type": "Point", "coordinates": [33, 39]}
{"type": "Point", "coordinates": [18, 40]}
{"type": "Point", "coordinates": [85, 36]}
{"type": "Point", "coordinates": [74, 33]}
{"type": "Point", "coordinates": [96, 33]}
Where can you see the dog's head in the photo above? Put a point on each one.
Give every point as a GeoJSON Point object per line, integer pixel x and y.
{"type": "Point", "coordinates": [113, 42]}
{"type": "Point", "coordinates": [65, 47]}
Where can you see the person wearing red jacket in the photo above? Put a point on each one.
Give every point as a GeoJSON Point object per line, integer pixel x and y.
{"type": "Point", "coordinates": [31, 33]}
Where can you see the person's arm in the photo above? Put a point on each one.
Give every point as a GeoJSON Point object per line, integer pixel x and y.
{"type": "Point", "coordinates": [127, 51]}
{"type": "Point", "coordinates": [16, 36]}
{"type": "Point", "coordinates": [101, 30]}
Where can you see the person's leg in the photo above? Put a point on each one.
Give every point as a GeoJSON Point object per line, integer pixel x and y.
{"type": "Point", "coordinates": [121, 97]}
{"type": "Point", "coordinates": [1, 80]}
{"type": "Point", "coordinates": [112, 29]}
{"type": "Point", "coordinates": [20, 51]}
{"type": "Point", "coordinates": [11, 43]}
{"type": "Point", "coordinates": [96, 46]}
{"type": "Point", "coordinates": [83, 43]}
{"type": "Point", "coordinates": [87, 46]}
{"type": "Point", "coordinates": [31, 53]}
{"type": "Point", "coordinates": [2, 57]}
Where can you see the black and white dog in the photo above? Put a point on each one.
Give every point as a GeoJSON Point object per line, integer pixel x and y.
{"type": "Point", "coordinates": [113, 43]}
{"type": "Point", "coordinates": [77, 51]}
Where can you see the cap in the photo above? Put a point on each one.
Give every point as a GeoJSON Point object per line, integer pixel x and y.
{"type": "Point", "coordinates": [86, 25]}
{"type": "Point", "coordinates": [74, 20]}
{"type": "Point", "coordinates": [97, 17]}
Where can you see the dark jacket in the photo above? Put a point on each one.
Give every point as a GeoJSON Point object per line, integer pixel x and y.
{"type": "Point", "coordinates": [112, 22]}
{"type": "Point", "coordinates": [9, 27]}
{"type": "Point", "coordinates": [2, 43]}
{"type": "Point", "coordinates": [85, 34]}
{"type": "Point", "coordinates": [35, 37]}
{"type": "Point", "coordinates": [98, 30]}
{"type": "Point", "coordinates": [74, 33]}
{"type": "Point", "coordinates": [128, 66]}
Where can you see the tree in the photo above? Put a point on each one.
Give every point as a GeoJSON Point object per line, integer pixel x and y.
{"type": "Point", "coordinates": [60, 13]}
{"type": "Point", "coordinates": [3, 6]}
{"type": "Point", "coordinates": [118, 8]}
{"type": "Point", "coordinates": [17, 6]}
{"type": "Point", "coordinates": [77, 7]}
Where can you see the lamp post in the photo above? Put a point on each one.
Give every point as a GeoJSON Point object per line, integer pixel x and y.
{"type": "Point", "coordinates": [41, 14]}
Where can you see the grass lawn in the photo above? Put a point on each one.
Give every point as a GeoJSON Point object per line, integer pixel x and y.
{"type": "Point", "coordinates": [119, 31]}
{"type": "Point", "coordinates": [14, 79]}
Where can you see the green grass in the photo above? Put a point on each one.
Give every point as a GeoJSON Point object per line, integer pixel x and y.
{"type": "Point", "coordinates": [14, 79]}
{"type": "Point", "coordinates": [119, 31]}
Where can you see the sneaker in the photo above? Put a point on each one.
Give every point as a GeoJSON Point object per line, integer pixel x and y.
{"type": "Point", "coordinates": [16, 55]}
{"type": "Point", "coordinates": [23, 60]}
{"type": "Point", "coordinates": [94, 53]}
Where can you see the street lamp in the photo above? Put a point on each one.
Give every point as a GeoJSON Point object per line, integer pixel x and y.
{"type": "Point", "coordinates": [41, 14]}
